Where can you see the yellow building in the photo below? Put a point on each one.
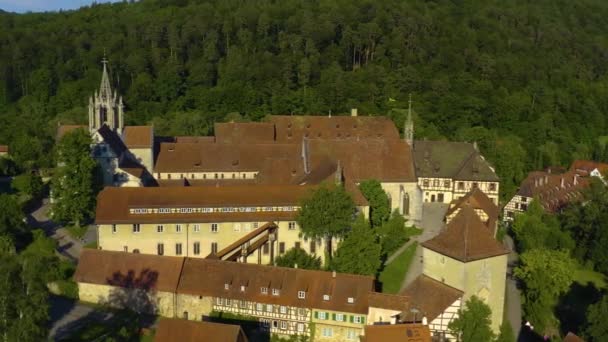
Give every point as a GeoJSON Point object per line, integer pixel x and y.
{"type": "Point", "coordinates": [284, 301]}
{"type": "Point", "coordinates": [467, 257]}
{"type": "Point", "coordinates": [250, 223]}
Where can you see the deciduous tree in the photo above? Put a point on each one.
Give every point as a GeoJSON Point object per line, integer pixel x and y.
{"type": "Point", "coordinates": [473, 322]}
{"type": "Point", "coordinates": [360, 252]}
{"type": "Point", "coordinates": [327, 213]}
{"type": "Point", "coordinates": [76, 181]}
{"type": "Point", "coordinates": [297, 257]}
{"type": "Point", "coordinates": [378, 201]}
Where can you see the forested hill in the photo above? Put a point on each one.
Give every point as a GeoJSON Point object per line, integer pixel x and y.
{"type": "Point", "coordinates": [526, 79]}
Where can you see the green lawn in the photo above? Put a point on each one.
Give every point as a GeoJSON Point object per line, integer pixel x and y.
{"type": "Point", "coordinates": [584, 276]}
{"type": "Point", "coordinates": [393, 274]}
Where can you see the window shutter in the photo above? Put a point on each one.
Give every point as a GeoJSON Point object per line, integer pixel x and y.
{"type": "Point", "coordinates": [333, 316]}
{"type": "Point", "coordinates": [316, 314]}
{"type": "Point", "coordinates": [362, 319]}
{"type": "Point", "coordinates": [352, 318]}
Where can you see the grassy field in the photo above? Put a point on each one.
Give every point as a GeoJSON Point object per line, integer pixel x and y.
{"type": "Point", "coordinates": [584, 276]}
{"type": "Point", "coordinates": [394, 273]}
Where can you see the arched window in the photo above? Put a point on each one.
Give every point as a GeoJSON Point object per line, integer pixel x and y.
{"type": "Point", "coordinates": [406, 204]}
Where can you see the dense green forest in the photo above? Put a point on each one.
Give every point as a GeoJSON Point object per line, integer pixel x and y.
{"type": "Point", "coordinates": [526, 79]}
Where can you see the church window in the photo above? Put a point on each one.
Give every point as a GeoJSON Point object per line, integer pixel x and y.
{"type": "Point", "coordinates": [103, 115]}
{"type": "Point", "coordinates": [406, 204]}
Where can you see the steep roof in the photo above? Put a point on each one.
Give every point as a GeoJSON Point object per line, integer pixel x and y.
{"type": "Point", "coordinates": [207, 277]}
{"type": "Point", "coordinates": [181, 330]}
{"type": "Point", "coordinates": [554, 191]}
{"type": "Point", "coordinates": [477, 199]}
{"type": "Point", "coordinates": [295, 128]}
{"type": "Point", "coordinates": [111, 138]}
{"type": "Point", "coordinates": [448, 159]}
{"type": "Point", "coordinates": [130, 270]}
{"type": "Point", "coordinates": [430, 296]}
{"type": "Point", "coordinates": [466, 238]}
{"type": "Point", "coordinates": [389, 301]}
{"type": "Point", "coordinates": [138, 136]}
{"type": "Point", "coordinates": [65, 129]}
{"type": "Point", "coordinates": [397, 333]}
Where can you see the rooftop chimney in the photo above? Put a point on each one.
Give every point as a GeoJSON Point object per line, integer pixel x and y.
{"type": "Point", "coordinates": [353, 112]}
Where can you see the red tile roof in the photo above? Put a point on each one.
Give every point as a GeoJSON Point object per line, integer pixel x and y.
{"type": "Point", "coordinates": [584, 167]}
{"type": "Point", "coordinates": [397, 333]}
{"type": "Point", "coordinates": [181, 330]}
{"type": "Point", "coordinates": [138, 136]}
{"type": "Point", "coordinates": [572, 338]}
{"type": "Point", "coordinates": [430, 297]}
{"type": "Point", "coordinates": [208, 277]}
{"type": "Point", "coordinates": [554, 191]}
{"type": "Point", "coordinates": [244, 132]}
{"type": "Point", "coordinates": [114, 203]}
{"type": "Point", "coordinates": [466, 238]}
{"type": "Point", "coordinates": [129, 270]}
{"type": "Point", "coordinates": [478, 200]}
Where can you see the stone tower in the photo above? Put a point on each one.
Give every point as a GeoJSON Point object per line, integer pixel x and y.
{"type": "Point", "coordinates": [105, 107]}
{"type": "Point", "coordinates": [408, 128]}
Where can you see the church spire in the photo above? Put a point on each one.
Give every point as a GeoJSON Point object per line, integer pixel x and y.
{"type": "Point", "coordinates": [408, 128]}
{"type": "Point", "coordinates": [105, 91]}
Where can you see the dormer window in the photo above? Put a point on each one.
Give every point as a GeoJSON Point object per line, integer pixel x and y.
{"type": "Point", "coordinates": [275, 292]}
{"type": "Point", "coordinates": [242, 288]}
{"type": "Point", "coordinates": [264, 290]}
{"type": "Point", "coordinates": [226, 286]}
{"type": "Point", "coordinates": [301, 294]}
{"type": "Point", "coordinates": [325, 297]}
{"type": "Point", "coordinates": [351, 300]}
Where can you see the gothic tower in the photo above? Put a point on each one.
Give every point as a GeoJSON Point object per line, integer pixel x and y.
{"type": "Point", "coordinates": [105, 107]}
{"type": "Point", "coordinates": [408, 128]}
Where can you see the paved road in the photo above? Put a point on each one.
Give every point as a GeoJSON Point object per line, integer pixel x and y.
{"type": "Point", "coordinates": [512, 295]}
{"type": "Point", "coordinates": [66, 245]}
{"type": "Point", "coordinates": [432, 223]}
{"type": "Point", "coordinates": [68, 315]}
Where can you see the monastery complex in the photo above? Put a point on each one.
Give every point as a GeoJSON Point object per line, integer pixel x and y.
{"type": "Point", "coordinates": [190, 223]}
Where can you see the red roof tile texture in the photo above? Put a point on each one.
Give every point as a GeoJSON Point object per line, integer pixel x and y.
{"type": "Point", "coordinates": [138, 136]}
{"type": "Point", "coordinates": [181, 330]}
{"type": "Point", "coordinates": [430, 297]}
{"type": "Point", "coordinates": [466, 238]}
{"type": "Point", "coordinates": [397, 333]}
{"type": "Point", "coordinates": [114, 203]}
{"type": "Point", "coordinates": [554, 191]}
{"type": "Point", "coordinates": [208, 277]}
{"type": "Point", "coordinates": [129, 270]}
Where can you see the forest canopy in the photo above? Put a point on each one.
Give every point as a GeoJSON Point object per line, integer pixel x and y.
{"type": "Point", "coordinates": [526, 79]}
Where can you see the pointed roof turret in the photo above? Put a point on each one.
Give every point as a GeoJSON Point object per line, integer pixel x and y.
{"type": "Point", "coordinates": [408, 128]}
{"type": "Point", "coordinates": [105, 91]}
